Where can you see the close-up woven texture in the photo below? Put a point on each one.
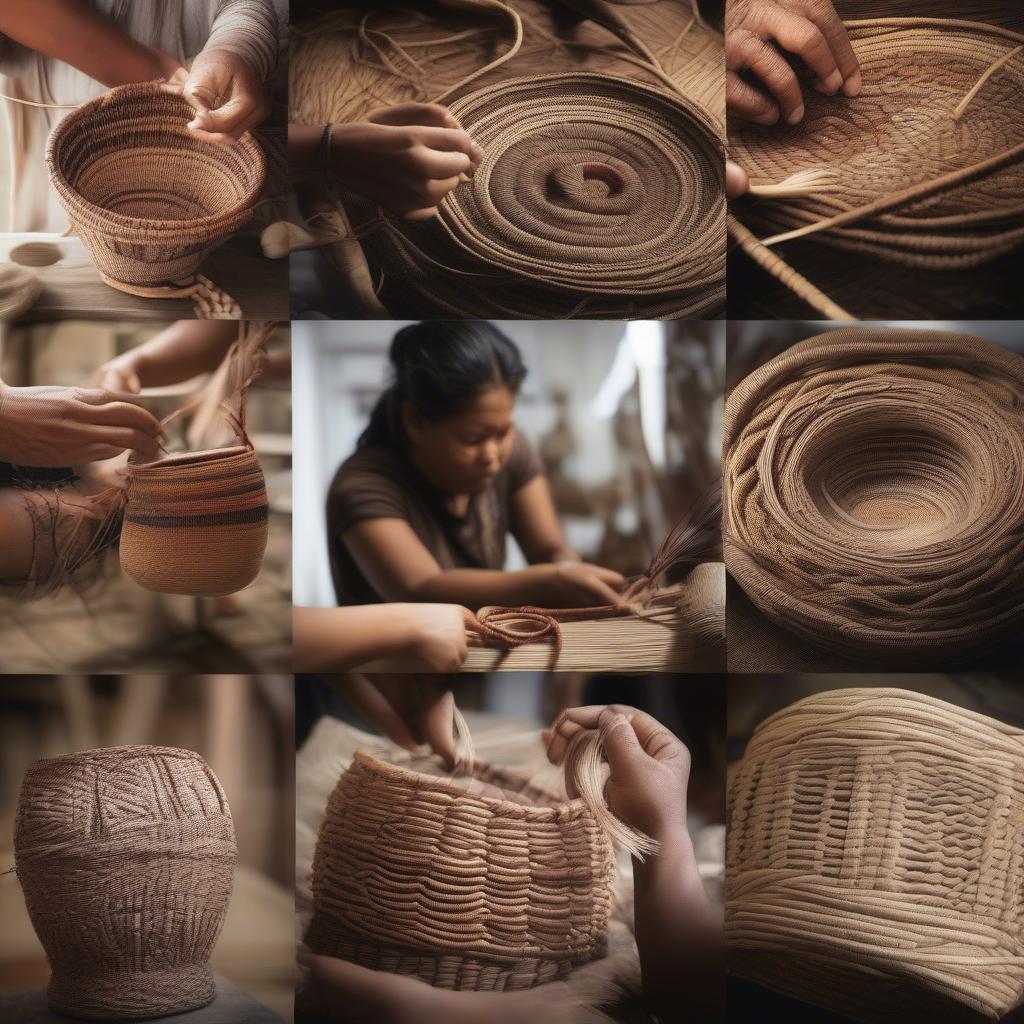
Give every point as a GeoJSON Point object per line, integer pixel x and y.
{"type": "Point", "coordinates": [600, 191]}
{"type": "Point", "coordinates": [147, 199]}
{"type": "Point", "coordinates": [482, 881]}
{"type": "Point", "coordinates": [873, 502]}
{"type": "Point", "coordinates": [875, 864]}
{"type": "Point", "coordinates": [925, 168]}
{"type": "Point", "coordinates": [126, 857]}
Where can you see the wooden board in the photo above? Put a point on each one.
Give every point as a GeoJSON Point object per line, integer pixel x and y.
{"type": "Point", "coordinates": [74, 290]}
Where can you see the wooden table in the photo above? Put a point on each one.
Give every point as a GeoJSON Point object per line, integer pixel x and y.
{"type": "Point", "coordinates": [232, 1006]}
{"type": "Point", "coordinates": [73, 290]}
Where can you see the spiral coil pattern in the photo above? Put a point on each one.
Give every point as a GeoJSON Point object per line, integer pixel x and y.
{"type": "Point", "coordinates": [874, 499]}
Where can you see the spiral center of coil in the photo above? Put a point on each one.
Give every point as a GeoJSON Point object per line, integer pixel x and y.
{"type": "Point", "coordinates": [602, 187]}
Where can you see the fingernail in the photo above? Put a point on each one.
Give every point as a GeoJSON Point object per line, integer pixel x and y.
{"type": "Point", "coordinates": [769, 118]}
{"type": "Point", "coordinates": [853, 84]}
{"type": "Point", "coordinates": [833, 82]}
{"type": "Point", "coordinates": [796, 116]}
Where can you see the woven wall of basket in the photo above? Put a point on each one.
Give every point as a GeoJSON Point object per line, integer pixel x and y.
{"type": "Point", "coordinates": [925, 167]}
{"type": "Point", "coordinates": [126, 857]}
{"type": "Point", "coordinates": [149, 201]}
{"type": "Point", "coordinates": [875, 861]}
{"type": "Point", "coordinates": [475, 882]}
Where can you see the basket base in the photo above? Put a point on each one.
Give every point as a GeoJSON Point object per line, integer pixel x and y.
{"type": "Point", "coordinates": [176, 290]}
{"type": "Point", "coordinates": [131, 995]}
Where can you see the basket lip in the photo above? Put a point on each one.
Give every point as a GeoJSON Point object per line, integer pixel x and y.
{"type": "Point", "coordinates": [115, 753]}
{"type": "Point", "coordinates": [140, 89]}
{"type": "Point", "coordinates": [196, 458]}
{"type": "Point", "coordinates": [420, 780]}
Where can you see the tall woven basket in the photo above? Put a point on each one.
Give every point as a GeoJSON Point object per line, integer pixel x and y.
{"type": "Point", "coordinates": [125, 856]}
{"type": "Point", "coordinates": [147, 199]}
{"type": "Point", "coordinates": [875, 861]}
{"type": "Point", "coordinates": [196, 523]}
{"type": "Point", "coordinates": [439, 879]}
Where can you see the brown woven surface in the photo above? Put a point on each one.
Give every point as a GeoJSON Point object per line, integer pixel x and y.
{"type": "Point", "coordinates": [148, 201]}
{"type": "Point", "coordinates": [875, 860]}
{"type": "Point", "coordinates": [459, 883]}
{"type": "Point", "coordinates": [925, 167]}
{"type": "Point", "coordinates": [126, 856]}
{"type": "Point", "coordinates": [874, 502]}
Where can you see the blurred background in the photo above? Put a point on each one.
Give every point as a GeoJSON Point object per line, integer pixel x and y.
{"type": "Point", "coordinates": [243, 727]}
{"type": "Point", "coordinates": [115, 625]}
{"type": "Point", "coordinates": [626, 418]}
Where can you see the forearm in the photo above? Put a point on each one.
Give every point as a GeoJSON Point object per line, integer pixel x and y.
{"type": "Point", "coordinates": [72, 32]}
{"type": "Point", "coordinates": [476, 588]}
{"type": "Point", "coordinates": [184, 350]}
{"type": "Point", "coordinates": [335, 639]}
{"type": "Point", "coordinates": [305, 160]}
{"type": "Point", "coordinates": [678, 934]}
{"type": "Point", "coordinates": [249, 29]}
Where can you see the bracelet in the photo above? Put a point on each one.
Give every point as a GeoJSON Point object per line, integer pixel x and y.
{"type": "Point", "coordinates": [323, 149]}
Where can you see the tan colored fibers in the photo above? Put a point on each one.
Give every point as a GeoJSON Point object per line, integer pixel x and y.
{"type": "Point", "coordinates": [126, 857]}
{"type": "Point", "coordinates": [874, 493]}
{"type": "Point", "coordinates": [147, 199]}
{"type": "Point", "coordinates": [481, 881]}
{"type": "Point", "coordinates": [925, 167]}
{"type": "Point", "coordinates": [875, 858]}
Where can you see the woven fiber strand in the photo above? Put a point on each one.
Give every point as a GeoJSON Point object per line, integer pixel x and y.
{"type": "Point", "coordinates": [438, 879]}
{"type": "Point", "coordinates": [925, 167]}
{"type": "Point", "coordinates": [126, 857]}
{"type": "Point", "coordinates": [149, 201]}
{"type": "Point", "coordinates": [196, 523]}
{"type": "Point", "coordinates": [874, 493]}
{"type": "Point", "coordinates": [875, 859]}
{"type": "Point", "coordinates": [596, 197]}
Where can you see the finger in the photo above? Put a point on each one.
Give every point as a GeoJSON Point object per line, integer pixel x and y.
{"type": "Point", "coordinates": [621, 746]}
{"type": "Point", "coordinates": [736, 180]}
{"type": "Point", "coordinates": [449, 140]}
{"type": "Point", "coordinates": [777, 76]}
{"type": "Point", "coordinates": [600, 590]}
{"type": "Point", "coordinates": [437, 723]}
{"type": "Point", "coordinates": [99, 453]}
{"type": "Point", "coordinates": [230, 118]}
{"type": "Point", "coordinates": [802, 37]}
{"type": "Point", "coordinates": [430, 115]}
{"type": "Point", "coordinates": [745, 103]}
{"type": "Point", "coordinates": [569, 723]}
{"type": "Point", "coordinates": [438, 165]}
{"type": "Point", "coordinates": [831, 27]}
{"type": "Point", "coordinates": [126, 438]}
{"type": "Point", "coordinates": [374, 708]}
{"type": "Point", "coordinates": [609, 576]}
{"type": "Point", "coordinates": [422, 214]}
{"type": "Point", "coordinates": [123, 413]}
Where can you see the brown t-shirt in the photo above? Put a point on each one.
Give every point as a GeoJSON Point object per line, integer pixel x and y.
{"type": "Point", "coordinates": [378, 483]}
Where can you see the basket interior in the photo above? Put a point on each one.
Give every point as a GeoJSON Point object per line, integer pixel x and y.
{"type": "Point", "coordinates": [134, 157]}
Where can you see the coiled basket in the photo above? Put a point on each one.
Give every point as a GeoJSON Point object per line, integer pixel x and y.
{"type": "Point", "coordinates": [440, 879]}
{"type": "Point", "coordinates": [126, 857]}
{"type": "Point", "coordinates": [875, 860]}
{"type": "Point", "coordinates": [147, 199]}
{"type": "Point", "coordinates": [196, 523]}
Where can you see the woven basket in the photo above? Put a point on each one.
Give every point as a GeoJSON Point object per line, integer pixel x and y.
{"type": "Point", "coordinates": [875, 859]}
{"type": "Point", "coordinates": [126, 857]}
{"type": "Point", "coordinates": [196, 523]}
{"type": "Point", "coordinates": [430, 877]}
{"type": "Point", "coordinates": [149, 201]}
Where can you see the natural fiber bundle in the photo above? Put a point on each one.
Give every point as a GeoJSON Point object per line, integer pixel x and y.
{"type": "Point", "coordinates": [924, 167]}
{"type": "Point", "coordinates": [875, 860]}
{"type": "Point", "coordinates": [126, 856]}
{"type": "Point", "coordinates": [596, 196]}
{"type": "Point", "coordinates": [478, 882]}
{"type": "Point", "coordinates": [196, 523]}
{"type": "Point", "coordinates": [149, 201]}
{"type": "Point", "coordinates": [874, 493]}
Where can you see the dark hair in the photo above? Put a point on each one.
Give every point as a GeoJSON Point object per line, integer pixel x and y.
{"type": "Point", "coordinates": [439, 367]}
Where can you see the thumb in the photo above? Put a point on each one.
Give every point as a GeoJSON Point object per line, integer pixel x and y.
{"type": "Point", "coordinates": [621, 746]}
{"type": "Point", "coordinates": [438, 725]}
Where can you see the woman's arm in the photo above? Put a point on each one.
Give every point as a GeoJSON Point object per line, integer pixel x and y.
{"type": "Point", "coordinates": [400, 568]}
{"type": "Point", "coordinates": [71, 31]}
{"type": "Point", "coordinates": [535, 524]}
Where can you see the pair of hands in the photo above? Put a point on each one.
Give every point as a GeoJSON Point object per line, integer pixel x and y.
{"type": "Point", "coordinates": [760, 85]}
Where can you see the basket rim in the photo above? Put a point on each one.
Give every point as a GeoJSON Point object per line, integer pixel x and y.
{"type": "Point", "coordinates": [207, 455]}
{"type": "Point", "coordinates": [242, 208]}
{"type": "Point", "coordinates": [103, 753]}
{"type": "Point", "coordinates": [420, 780]}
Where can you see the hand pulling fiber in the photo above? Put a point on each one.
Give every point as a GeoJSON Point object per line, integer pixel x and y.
{"type": "Point", "coordinates": [875, 858]}
{"type": "Point", "coordinates": [874, 493]}
{"type": "Point", "coordinates": [482, 881]}
{"type": "Point", "coordinates": [126, 857]}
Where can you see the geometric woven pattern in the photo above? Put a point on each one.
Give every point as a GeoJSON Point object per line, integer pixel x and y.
{"type": "Point", "coordinates": [876, 857]}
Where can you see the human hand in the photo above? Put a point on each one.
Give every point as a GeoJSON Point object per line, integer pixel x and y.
{"type": "Point", "coordinates": [649, 766]}
{"type": "Point", "coordinates": [809, 29]}
{"type": "Point", "coordinates": [227, 95]}
{"type": "Point", "coordinates": [50, 427]}
{"type": "Point", "coordinates": [409, 710]}
{"type": "Point", "coordinates": [436, 635]}
{"type": "Point", "coordinates": [736, 180]}
{"type": "Point", "coordinates": [582, 585]}
{"type": "Point", "coordinates": [406, 158]}
{"type": "Point", "coordinates": [119, 374]}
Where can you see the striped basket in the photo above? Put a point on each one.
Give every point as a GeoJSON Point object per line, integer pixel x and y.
{"type": "Point", "coordinates": [875, 861]}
